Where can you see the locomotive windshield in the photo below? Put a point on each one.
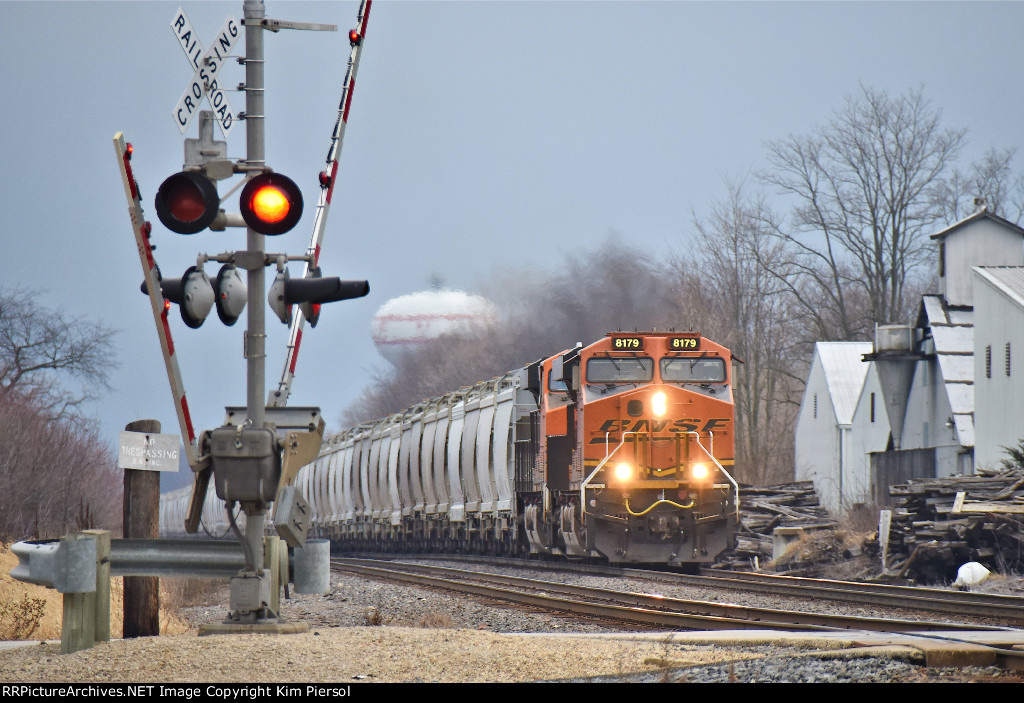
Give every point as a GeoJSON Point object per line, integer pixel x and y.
{"type": "Point", "coordinates": [620, 369]}
{"type": "Point", "coordinates": [679, 369]}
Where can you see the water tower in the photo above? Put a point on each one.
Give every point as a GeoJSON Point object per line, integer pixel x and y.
{"type": "Point", "coordinates": [410, 321]}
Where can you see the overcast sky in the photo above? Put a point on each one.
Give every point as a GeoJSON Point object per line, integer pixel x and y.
{"type": "Point", "coordinates": [482, 135]}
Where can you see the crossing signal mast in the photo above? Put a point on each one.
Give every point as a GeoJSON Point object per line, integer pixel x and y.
{"type": "Point", "coordinates": [246, 457]}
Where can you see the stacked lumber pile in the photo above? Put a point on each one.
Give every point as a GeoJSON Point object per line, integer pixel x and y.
{"type": "Point", "coordinates": [939, 524]}
{"type": "Point", "coordinates": [762, 509]}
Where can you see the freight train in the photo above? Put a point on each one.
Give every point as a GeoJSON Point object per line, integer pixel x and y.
{"type": "Point", "coordinates": [618, 451]}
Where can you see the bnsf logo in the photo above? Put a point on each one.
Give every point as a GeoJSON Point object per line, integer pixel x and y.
{"type": "Point", "coordinates": [689, 424]}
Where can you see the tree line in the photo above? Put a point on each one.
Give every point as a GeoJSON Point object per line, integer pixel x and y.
{"type": "Point", "coordinates": [57, 474]}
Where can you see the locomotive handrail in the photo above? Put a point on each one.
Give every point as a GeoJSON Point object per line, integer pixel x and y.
{"type": "Point", "coordinates": [600, 465]}
{"type": "Point", "coordinates": [622, 441]}
{"type": "Point", "coordinates": [736, 486]}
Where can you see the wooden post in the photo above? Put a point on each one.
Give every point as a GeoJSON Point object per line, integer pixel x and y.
{"type": "Point", "coordinates": [102, 611]}
{"type": "Point", "coordinates": [78, 626]}
{"type": "Point", "coordinates": [141, 521]}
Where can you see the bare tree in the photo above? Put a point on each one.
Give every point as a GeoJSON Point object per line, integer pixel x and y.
{"type": "Point", "coordinates": [56, 474]}
{"type": "Point", "coordinates": [862, 188]}
{"type": "Point", "coordinates": [990, 179]}
{"type": "Point", "coordinates": [54, 469]}
{"type": "Point", "coordinates": [732, 285]}
{"type": "Point", "coordinates": [39, 346]}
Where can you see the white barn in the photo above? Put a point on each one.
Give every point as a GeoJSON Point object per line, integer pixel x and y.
{"type": "Point", "coordinates": [869, 433]}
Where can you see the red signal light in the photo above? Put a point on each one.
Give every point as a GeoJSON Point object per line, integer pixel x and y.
{"type": "Point", "coordinates": [354, 37]}
{"type": "Point", "coordinates": [187, 202]}
{"type": "Point", "coordinates": [271, 203]}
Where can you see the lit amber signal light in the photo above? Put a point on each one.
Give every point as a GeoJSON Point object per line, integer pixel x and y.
{"type": "Point", "coordinates": [271, 203]}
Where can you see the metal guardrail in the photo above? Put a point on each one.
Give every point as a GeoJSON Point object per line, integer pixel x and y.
{"type": "Point", "coordinates": [69, 564]}
{"type": "Point", "coordinates": [175, 557]}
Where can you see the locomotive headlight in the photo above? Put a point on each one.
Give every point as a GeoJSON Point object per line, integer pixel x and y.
{"type": "Point", "coordinates": [659, 404]}
{"type": "Point", "coordinates": [623, 472]}
{"type": "Point", "coordinates": [699, 472]}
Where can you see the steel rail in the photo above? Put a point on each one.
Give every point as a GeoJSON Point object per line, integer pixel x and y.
{"type": "Point", "coordinates": [914, 597]}
{"type": "Point", "coordinates": [650, 609]}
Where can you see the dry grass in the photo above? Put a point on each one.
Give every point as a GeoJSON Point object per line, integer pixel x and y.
{"type": "Point", "coordinates": [828, 553]}
{"type": "Point", "coordinates": [374, 617]}
{"type": "Point", "coordinates": [33, 612]}
{"type": "Point", "coordinates": [184, 592]}
{"type": "Point", "coordinates": [436, 620]}
{"type": "Point", "coordinates": [19, 619]}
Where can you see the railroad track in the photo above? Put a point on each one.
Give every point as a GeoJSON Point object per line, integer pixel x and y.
{"type": "Point", "coordinates": [1008, 610]}
{"type": "Point", "coordinates": [647, 609]}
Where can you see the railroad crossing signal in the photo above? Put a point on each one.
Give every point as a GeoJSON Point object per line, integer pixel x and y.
{"type": "Point", "coordinates": [193, 293]}
{"type": "Point", "coordinates": [310, 293]}
{"type": "Point", "coordinates": [207, 65]}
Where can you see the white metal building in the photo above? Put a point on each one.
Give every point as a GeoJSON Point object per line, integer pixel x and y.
{"type": "Point", "coordinates": [940, 405]}
{"type": "Point", "coordinates": [823, 445]}
{"type": "Point", "coordinates": [869, 433]}
{"type": "Point", "coordinates": [999, 386]}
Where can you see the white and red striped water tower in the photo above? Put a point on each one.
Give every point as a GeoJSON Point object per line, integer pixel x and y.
{"type": "Point", "coordinates": [410, 321]}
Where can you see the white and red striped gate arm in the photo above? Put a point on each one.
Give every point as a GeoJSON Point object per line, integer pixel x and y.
{"type": "Point", "coordinates": [279, 397]}
{"type": "Point", "coordinates": [156, 299]}
{"type": "Point", "coordinates": [142, 228]}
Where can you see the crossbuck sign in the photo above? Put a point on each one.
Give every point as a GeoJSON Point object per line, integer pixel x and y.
{"type": "Point", "coordinates": [207, 65]}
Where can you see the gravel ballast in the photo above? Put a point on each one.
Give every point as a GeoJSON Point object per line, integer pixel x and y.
{"type": "Point", "coordinates": [369, 631]}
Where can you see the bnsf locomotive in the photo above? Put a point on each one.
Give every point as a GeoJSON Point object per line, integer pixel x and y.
{"type": "Point", "coordinates": [618, 450]}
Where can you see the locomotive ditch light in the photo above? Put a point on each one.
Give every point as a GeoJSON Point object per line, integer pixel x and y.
{"type": "Point", "coordinates": [271, 203]}
{"type": "Point", "coordinates": [699, 472]}
{"type": "Point", "coordinates": [659, 404]}
{"type": "Point", "coordinates": [187, 202]}
{"type": "Point", "coordinates": [623, 472]}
